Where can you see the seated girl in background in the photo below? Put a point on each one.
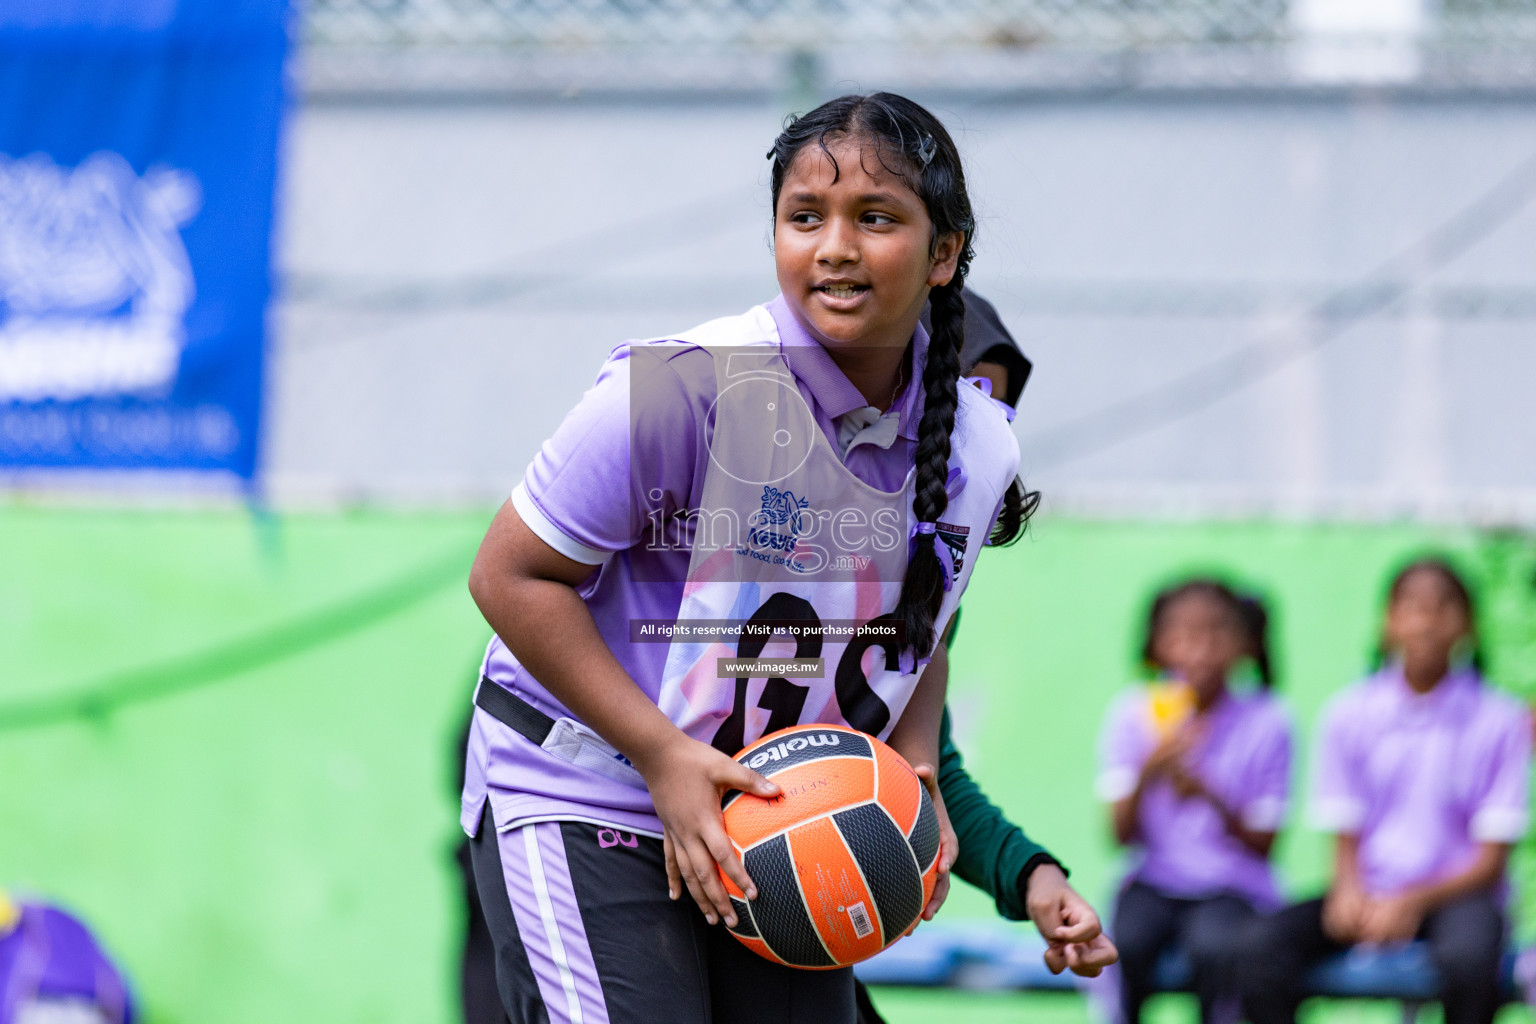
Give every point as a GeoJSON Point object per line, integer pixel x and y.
{"type": "Point", "coordinates": [1422, 775]}
{"type": "Point", "coordinates": [1196, 774]}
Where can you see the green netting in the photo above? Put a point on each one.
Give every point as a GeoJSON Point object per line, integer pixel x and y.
{"type": "Point", "coordinates": [228, 743]}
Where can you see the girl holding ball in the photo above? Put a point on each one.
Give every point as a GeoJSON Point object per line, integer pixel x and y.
{"type": "Point", "coordinates": [810, 460]}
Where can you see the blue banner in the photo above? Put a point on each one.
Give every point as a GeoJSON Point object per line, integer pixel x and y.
{"type": "Point", "coordinates": [138, 151]}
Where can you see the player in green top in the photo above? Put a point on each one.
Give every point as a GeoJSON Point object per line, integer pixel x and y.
{"type": "Point", "coordinates": [1024, 880]}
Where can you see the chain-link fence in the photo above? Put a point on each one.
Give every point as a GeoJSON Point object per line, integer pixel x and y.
{"type": "Point", "coordinates": [792, 24]}
{"type": "Point", "coordinates": [757, 46]}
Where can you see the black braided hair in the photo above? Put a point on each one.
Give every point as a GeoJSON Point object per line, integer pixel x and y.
{"type": "Point", "coordinates": [913, 145]}
{"type": "Point", "coordinates": [923, 589]}
{"type": "Point", "coordinates": [1248, 614]}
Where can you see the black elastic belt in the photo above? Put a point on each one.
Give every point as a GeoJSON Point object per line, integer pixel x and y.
{"type": "Point", "coordinates": [511, 710]}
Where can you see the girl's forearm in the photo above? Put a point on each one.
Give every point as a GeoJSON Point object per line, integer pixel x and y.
{"type": "Point", "coordinates": [559, 644]}
{"type": "Point", "coordinates": [1346, 867]}
{"type": "Point", "coordinates": [527, 594]}
{"type": "Point", "coordinates": [1482, 872]}
{"type": "Point", "coordinates": [1257, 841]}
{"type": "Point", "coordinates": [916, 734]}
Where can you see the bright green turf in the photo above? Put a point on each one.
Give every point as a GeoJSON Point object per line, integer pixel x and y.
{"type": "Point", "coordinates": [274, 845]}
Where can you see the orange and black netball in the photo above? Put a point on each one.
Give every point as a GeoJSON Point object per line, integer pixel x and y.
{"type": "Point", "coordinates": [844, 860]}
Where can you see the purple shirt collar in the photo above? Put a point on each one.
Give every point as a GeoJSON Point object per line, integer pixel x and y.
{"type": "Point", "coordinates": [833, 392]}
{"type": "Point", "coordinates": [1444, 694]}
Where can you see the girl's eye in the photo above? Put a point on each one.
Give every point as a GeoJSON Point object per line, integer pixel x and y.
{"type": "Point", "coordinates": [803, 217]}
{"type": "Point", "coordinates": [878, 218]}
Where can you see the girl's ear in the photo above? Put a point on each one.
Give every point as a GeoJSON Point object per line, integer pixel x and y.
{"type": "Point", "coordinates": [946, 254]}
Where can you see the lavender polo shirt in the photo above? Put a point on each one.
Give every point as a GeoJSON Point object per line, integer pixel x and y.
{"type": "Point", "coordinates": [1422, 779]}
{"type": "Point", "coordinates": [1243, 756]}
{"type": "Point", "coordinates": [587, 494]}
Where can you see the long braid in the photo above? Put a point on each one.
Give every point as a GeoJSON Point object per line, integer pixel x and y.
{"type": "Point", "coordinates": [913, 145]}
{"type": "Point", "coordinates": [922, 591]}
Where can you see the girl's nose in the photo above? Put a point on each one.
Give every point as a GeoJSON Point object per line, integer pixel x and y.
{"type": "Point", "coordinates": [839, 244]}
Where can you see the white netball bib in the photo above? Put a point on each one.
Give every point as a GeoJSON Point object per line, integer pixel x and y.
{"type": "Point", "coordinates": [805, 557]}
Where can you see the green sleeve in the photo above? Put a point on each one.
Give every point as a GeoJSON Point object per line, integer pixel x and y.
{"type": "Point", "coordinates": [994, 852]}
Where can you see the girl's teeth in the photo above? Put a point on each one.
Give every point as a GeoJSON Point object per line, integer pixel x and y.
{"type": "Point", "coordinates": [841, 291]}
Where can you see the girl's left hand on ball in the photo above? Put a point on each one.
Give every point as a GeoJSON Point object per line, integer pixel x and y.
{"type": "Point", "coordinates": [949, 843]}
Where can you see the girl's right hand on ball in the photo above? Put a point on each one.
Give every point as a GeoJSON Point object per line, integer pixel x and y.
{"type": "Point", "coordinates": [949, 843]}
{"type": "Point", "coordinates": [686, 782]}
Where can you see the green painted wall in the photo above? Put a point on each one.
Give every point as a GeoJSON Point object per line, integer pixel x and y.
{"type": "Point", "coordinates": [227, 742]}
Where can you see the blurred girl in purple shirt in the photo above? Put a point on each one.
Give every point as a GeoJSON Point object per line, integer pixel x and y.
{"type": "Point", "coordinates": [1196, 774]}
{"type": "Point", "coordinates": [1422, 775]}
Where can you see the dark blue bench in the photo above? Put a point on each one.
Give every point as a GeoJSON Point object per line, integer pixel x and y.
{"type": "Point", "coordinates": [989, 958]}
{"type": "Point", "coordinates": [1403, 972]}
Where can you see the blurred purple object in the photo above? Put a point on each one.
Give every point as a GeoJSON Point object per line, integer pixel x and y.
{"type": "Point", "coordinates": [49, 961]}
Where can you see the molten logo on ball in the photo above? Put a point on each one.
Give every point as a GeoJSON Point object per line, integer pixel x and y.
{"type": "Point", "coordinates": [802, 740]}
{"type": "Point", "coordinates": [844, 860]}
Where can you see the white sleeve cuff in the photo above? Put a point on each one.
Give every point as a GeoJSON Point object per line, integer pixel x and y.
{"type": "Point", "coordinates": [1499, 824]}
{"type": "Point", "coordinates": [551, 534]}
{"type": "Point", "coordinates": [1114, 784]}
{"type": "Point", "coordinates": [1266, 814]}
{"type": "Point", "coordinates": [1337, 814]}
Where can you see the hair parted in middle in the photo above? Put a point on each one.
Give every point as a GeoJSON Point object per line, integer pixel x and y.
{"type": "Point", "coordinates": [913, 145]}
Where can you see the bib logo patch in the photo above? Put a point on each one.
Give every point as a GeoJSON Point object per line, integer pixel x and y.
{"type": "Point", "coordinates": [781, 510]}
{"type": "Point", "coordinates": [954, 537]}
{"type": "Point", "coordinates": [775, 528]}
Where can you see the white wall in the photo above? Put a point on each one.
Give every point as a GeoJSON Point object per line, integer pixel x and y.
{"type": "Point", "coordinates": [453, 276]}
